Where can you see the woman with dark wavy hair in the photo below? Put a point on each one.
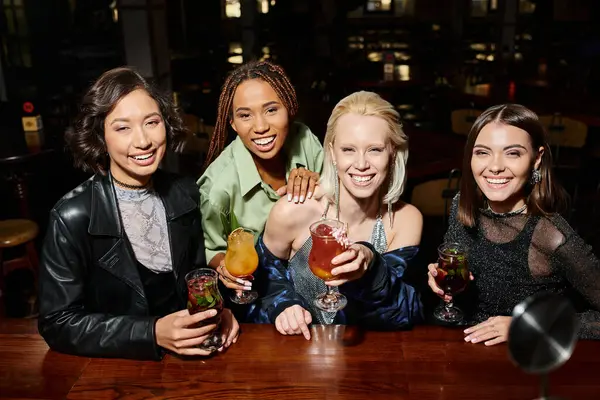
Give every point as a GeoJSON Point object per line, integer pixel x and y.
{"type": "Point", "coordinates": [118, 247]}
{"type": "Point", "coordinates": [507, 217]}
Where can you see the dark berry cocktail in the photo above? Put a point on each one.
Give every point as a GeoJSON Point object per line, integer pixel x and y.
{"type": "Point", "coordinates": [203, 294]}
{"type": "Point", "coordinates": [452, 277]}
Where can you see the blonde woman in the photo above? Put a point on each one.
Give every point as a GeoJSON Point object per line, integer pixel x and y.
{"type": "Point", "coordinates": [363, 177]}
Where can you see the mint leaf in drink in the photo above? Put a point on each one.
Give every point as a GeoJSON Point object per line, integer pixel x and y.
{"type": "Point", "coordinates": [200, 300]}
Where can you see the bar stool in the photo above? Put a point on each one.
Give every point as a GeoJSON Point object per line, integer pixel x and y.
{"type": "Point", "coordinates": [13, 233]}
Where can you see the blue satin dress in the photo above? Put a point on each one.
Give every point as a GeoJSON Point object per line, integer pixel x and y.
{"type": "Point", "coordinates": [380, 300]}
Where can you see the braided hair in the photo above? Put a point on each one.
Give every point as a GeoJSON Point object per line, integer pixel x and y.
{"type": "Point", "coordinates": [273, 74]}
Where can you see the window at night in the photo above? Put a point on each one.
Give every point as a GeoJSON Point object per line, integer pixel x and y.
{"type": "Point", "coordinates": [379, 5]}
{"type": "Point", "coordinates": [233, 9]}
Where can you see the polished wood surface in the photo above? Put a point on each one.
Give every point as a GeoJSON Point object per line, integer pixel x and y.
{"type": "Point", "coordinates": [338, 363]}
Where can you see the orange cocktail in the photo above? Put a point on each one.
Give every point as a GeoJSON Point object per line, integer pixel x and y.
{"type": "Point", "coordinates": [241, 260]}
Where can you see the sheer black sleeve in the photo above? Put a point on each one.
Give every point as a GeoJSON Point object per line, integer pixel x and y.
{"type": "Point", "coordinates": [582, 269]}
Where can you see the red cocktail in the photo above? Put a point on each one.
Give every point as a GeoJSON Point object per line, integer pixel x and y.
{"type": "Point", "coordinates": [329, 239]}
{"type": "Point", "coordinates": [203, 294]}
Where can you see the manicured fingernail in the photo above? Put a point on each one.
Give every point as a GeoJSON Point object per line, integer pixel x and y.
{"type": "Point", "coordinates": [309, 195]}
{"type": "Point", "coordinates": [212, 312]}
{"type": "Point", "coordinates": [247, 287]}
{"type": "Point", "coordinates": [296, 199]}
{"type": "Point", "coordinates": [467, 338]}
{"type": "Point", "coordinates": [289, 197]}
{"type": "Point", "coordinates": [468, 330]}
{"type": "Point", "coordinates": [301, 199]}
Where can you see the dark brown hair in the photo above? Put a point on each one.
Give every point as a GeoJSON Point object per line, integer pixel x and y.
{"type": "Point", "coordinates": [543, 198]}
{"type": "Point", "coordinates": [273, 74]}
{"type": "Point", "coordinates": [86, 139]}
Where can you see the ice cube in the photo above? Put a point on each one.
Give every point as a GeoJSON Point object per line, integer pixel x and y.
{"type": "Point", "coordinates": [324, 230]}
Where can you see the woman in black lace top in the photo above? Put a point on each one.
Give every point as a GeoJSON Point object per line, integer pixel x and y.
{"type": "Point", "coordinates": [507, 217]}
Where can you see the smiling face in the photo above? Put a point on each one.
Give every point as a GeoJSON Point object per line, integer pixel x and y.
{"type": "Point", "coordinates": [362, 152]}
{"type": "Point", "coordinates": [135, 137]}
{"type": "Point", "coordinates": [502, 162]}
{"type": "Point", "coordinates": [259, 118]}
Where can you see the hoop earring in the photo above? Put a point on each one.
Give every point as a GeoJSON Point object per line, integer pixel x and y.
{"type": "Point", "coordinates": [536, 177]}
{"type": "Point", "coordinates": [337, 192]}
{"type": "Point", "coordinates": [389, 203]}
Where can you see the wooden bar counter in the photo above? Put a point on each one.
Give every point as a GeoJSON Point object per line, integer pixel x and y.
{"type": "Point", "coordinates": [338, 363]}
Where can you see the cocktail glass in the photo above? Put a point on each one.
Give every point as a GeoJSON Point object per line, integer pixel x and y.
{"type": "Point", "coordinates": [452, 277]}
{"type": "Point", "coordinates": [203, 294]}
{"type": "Point", "coordinates": [329, 239]}
{"type": "Point", "coordinates": [241, 260]}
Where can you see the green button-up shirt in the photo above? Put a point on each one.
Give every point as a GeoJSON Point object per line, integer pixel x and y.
{"type": "Point", "coordinates": [231, 189]}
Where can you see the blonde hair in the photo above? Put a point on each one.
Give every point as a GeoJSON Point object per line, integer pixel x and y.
{"type": "Point", "coordinates": [368, 104]}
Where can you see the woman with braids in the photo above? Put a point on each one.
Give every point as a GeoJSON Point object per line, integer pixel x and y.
{"type": "Point", "coordinates": [118, 247]}
{"type": "Point", "coordinates": [271, 156]}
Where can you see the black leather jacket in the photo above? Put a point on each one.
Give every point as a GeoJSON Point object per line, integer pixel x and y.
{"type": "Point", "coordinates": [92, 300]}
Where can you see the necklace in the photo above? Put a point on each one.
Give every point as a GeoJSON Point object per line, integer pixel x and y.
{"type": "Point", "coordinates": [132, 187]}
{"type": "Point", "coordinates": [506, 214]}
